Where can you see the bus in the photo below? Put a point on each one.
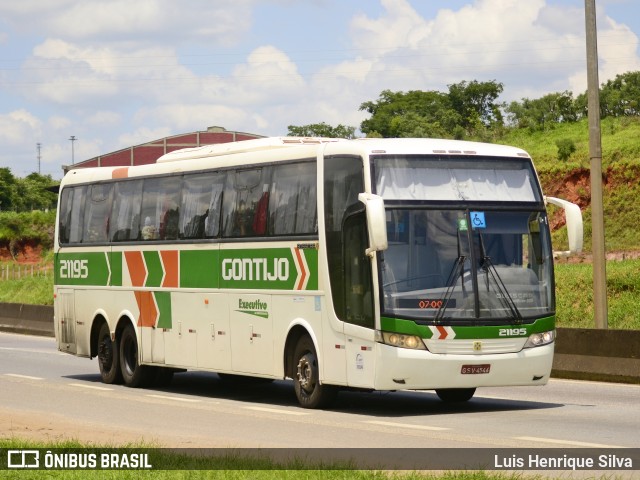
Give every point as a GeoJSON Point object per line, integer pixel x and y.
{"type": "Point", "coordinates": [377, 264]}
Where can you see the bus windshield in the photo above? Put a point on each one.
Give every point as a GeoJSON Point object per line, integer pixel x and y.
{"type": "Point", "coordinates": [480, 252]}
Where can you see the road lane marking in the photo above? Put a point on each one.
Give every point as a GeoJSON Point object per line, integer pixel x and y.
{"type": "Point", "coordinates": [32, 350]}
{"type": "Point", "coordinates": [177, 399]}
{"type": "Point", "coordinates": [27, 377]}
{"type": "Point", "coordinates": [275, 410]}
{"type": "Point", "coordinates": [91, 387]}
{"type": "Point", "coordinates": [406, 425]}
{"type": "Point", "coordinates": [567, 442]}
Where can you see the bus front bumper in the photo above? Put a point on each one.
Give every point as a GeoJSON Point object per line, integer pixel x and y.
{"type": "Point", "coordinates": [401, 368]}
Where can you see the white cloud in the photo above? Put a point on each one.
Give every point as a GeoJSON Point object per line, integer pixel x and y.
{"type": "Point", "coordinates": [18, 125]}
{"type": "Point", "coordinates": [188, 117]}
{"type": "Point", "coordinates": [58, 122]}
{"type": "Point", "coordinates": [104, 119]}
{"type": "Point", "coordinates": [155, 21]}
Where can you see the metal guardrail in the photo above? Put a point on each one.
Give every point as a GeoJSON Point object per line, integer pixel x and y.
{"type": "Point", "coordinates": [581, 354]}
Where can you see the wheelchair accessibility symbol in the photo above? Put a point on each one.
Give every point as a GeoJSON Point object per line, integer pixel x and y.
{"type": "Point", "coordinates": [477, 220]}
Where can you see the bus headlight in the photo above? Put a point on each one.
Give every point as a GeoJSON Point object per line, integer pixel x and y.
{"type": "Point", "coordinates": [539, 339]}
{"type": "Point", "coordinates": [401, 340]}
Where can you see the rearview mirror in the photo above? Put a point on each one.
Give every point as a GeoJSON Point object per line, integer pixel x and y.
{"type": "Point", "coordinates": [573, 217]}
{"type": "Point", "coordinates": [376, 222]}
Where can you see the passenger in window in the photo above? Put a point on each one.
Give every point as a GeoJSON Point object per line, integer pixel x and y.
{"type": "Point", "coordinates": [149, 230]}
{"type": "Point", "coordinates": [169, 226]}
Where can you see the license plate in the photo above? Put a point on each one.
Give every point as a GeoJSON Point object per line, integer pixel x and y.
{"type": "Point", "coordinates": [475, 369]}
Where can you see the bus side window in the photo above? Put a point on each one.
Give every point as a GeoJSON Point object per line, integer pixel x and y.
{"type": "Point", "coordinates": [293, 199]}
{"type": "Point", "coordinates": [246, 203]}
{"type": "Point", "coordinates": [347, 240]}
{"type": "Point", "coordinates": [125, 215]}
{"type": "Point", "coordinates": [96, 220]}
{"type": "Point", "coordinates": [64, 220]}
{"type": "Point", "coordinates": [160, 208]}
{"type": "Point", "coordinates": [201, 197]}
{"type": "Point", "coordinates": [357, 271]}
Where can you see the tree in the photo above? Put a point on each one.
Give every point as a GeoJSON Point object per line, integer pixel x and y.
{"type": "Point", "coordinates": [620, 97]}
{"type": "Point", "coordinates": [544, 112]}
{"type": "Point", "coordinates": [8, 189]}
{"type": "Point", "coordinates": [396, 114]}
{"type": "Point", "coordinates": [476, 104]}
{"type": "Point", "coordinates": [469, 108]}
{"type": "Point", "coordinates": [321, 130]}
{"type": "Point", "coordinates": [34, 193]}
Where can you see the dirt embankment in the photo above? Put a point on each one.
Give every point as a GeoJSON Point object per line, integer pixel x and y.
{"type": "Point", "coordinates": [28, 252]}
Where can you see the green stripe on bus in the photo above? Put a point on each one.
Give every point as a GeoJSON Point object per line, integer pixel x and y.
{"type": "Point", "coordinates": [311, 256]}
{"type": "Point", "coordinates": [116, 268]}
{"type": "Point", "coordinates": [155, 271]}
{"type": "Point", "coordinates": [409, 327]}
{"type": "Point", "coordinates": [88, 268]}
{"type": "Point", "coordinates": [199, 269]}
{"type": "Point", "coordinates": [163, 300]}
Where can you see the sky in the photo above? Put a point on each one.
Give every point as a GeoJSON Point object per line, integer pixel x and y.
{"type": "Point", "coordinates": [117, 73]}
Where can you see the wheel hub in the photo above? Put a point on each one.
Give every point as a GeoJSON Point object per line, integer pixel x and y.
{"type": "Point", "coordinates": [305, 374]}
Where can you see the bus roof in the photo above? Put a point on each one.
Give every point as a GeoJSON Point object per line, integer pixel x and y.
{"type": "Point", "coordinates": [244, 146]}
{"type": "Point", "coordinates": [295, 147]}
{"type": "Point", "coordinates": [362, 146]}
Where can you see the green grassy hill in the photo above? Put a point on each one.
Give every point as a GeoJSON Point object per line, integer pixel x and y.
{"type": "Point", "coordinates": [570, 179]}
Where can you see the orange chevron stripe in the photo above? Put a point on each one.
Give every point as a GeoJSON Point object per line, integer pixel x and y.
{"type": "Point", "coordinates": [304, 272]}
{"type": "Point", "coordinates": [171, 268]}
{"type": "Point", "coordinates": [443, 332]}
{"type": "Point", "coordinates": [137, 268]}
{"type": "Point", "coordinates": [148, 311]}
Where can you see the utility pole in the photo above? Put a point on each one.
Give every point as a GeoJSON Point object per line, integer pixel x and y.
{"type": "Point", "coordinates": [595, 155]}
{"type": "Point", "coordinates": [39, 145]}
{"type": "Point", "coordinates": [73, 139]}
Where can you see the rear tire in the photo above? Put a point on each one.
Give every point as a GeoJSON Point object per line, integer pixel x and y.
{"type": "Point", "coordinates": [306, 381]}
{"type": "Point", "coordinates": [108, 356]}
{"type": "Point", "coordinates": [455, 395]}
{"type": "Point", "coordinates": [133, 374]}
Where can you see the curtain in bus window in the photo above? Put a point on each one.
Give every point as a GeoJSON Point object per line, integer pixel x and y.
{"type": "Point", "coordinates": [293, 199]}
{"type": "Point", "coordinates": [125, 216]}
{"type": "Point", "coordinates": [245, 203]}
{"type": "Point", "coordinates": [407, 182]}
{"type": "Point", "coordinates": [201, 205]}
{"type": "Point", "coordinates": [160, 208]}
{"type": "Point", "coordinates": [96, 218]}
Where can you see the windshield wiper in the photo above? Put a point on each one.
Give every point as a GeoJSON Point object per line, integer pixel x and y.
{"type": "Point", "coordinates": [503, 294]}
{"type": "Point", "coordinates": [456, 272]}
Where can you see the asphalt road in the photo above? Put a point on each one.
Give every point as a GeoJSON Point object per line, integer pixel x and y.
{"type": "Point", "coordinates": [51, 395]}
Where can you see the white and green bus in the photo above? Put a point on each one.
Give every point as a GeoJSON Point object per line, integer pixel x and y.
{"type": "Point", "coordinates": [378, 264]}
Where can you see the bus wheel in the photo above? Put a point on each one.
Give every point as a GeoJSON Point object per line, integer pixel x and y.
{"type": "Point", "coordinates": [306, 381]}
{"type": "Point", "coordinates": [455, 395]}
{"type": "Point", "coordinates": [133, 374]}
{"type": "Point", "coordinates": [108, 359]}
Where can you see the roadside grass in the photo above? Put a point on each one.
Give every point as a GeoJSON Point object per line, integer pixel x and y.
{"type": "Point", "coordinates": [37, 290]}
{"type": "Point", "coordinates": [574, 295]}
{"type": "Point", "coordinates": [232, 466]}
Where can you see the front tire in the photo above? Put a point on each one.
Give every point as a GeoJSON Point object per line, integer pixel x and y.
{"type": "Point", "coordinates": [133, 374]}
{"type": "Point", "coordinates": [306, 381]}
{"type": "Point", "coordinates": [455, 395]}
{"type": "Point", "coordinates": [108, 356]}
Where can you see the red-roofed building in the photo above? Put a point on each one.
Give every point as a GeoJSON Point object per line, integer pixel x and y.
{"type": "Point", "coordinates": [151, 151]}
